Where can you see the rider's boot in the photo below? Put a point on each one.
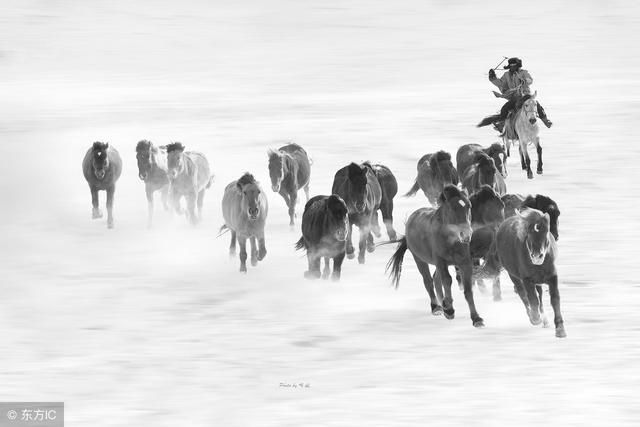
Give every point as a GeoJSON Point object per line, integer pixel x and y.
{"type": "Point", "coordinates": [543, 116]}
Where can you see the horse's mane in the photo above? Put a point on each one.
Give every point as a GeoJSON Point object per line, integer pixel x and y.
{"type": "Point", "coordinates": [245, 179]}
{"type": "Point", "coordinates": [450, 191]}
{"type": "Point", "coordinates": [100, 146]}
{"type": "Point", "coordinates": [175, 146]}
{"type": "Point", "coordinates": [143, 145]}
{"type": "Point", "coordinates": [485, 194]}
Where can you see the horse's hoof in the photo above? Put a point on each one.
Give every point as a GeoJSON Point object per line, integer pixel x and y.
{"type": "Point", "coordinates": [530, 175]}
{"type": "Point", "coordinates": [351, 255]}
{"type": "Point", "coordinates": [449, 313]}
{"type": "Point", "coordinates": [110, 225]}
{"type": "Point", "coordinates": [377, 233]}
{"type": "Point", "coordinates": [254, 262]}
{"type": "Point", "coordinates": [97, 214]}
{"type": "Point", "coordinates": [393, 235]}
{"type": "Point", "coordinates": [361, 259]}
{"type": "Point", "coordinates": [325, 275]}
{"type": "Point", "coordinates": [371, 248]}
{"type": "Point", "coordinates": [539, 171]}
{"type": "Point", "coordinates": [535, 321]}
{"type": "Point", "coordinates": [261, 254]}
{"type": "Point", "coordinates": [312, 275]}
{"type": "Point", "coordinates": [243, 269]}
{"type": "Point", "coordinates": [335, 276]}
{"type": "Point", "coordinates": [436, 310]}
{"type": "Point", "coordinates": [232, 254]}
{"type": "Point", "coordinates": [560, 332]}
{"type": "Point", "coordinates": [497, 298]}
{"type": "Point", "coordinates": [478, 323]}
{"type": "Point", "coordinates": [545, 322]}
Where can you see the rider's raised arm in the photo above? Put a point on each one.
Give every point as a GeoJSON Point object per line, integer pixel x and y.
{"type": "Point", "coordinates": [499, 82]}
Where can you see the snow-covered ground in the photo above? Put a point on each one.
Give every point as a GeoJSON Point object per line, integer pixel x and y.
{"type": "Point", "coordinates": [156, 327]}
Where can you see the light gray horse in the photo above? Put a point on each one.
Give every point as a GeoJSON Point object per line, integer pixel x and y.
{"type": "Point", "coordinates": [152, 169]}
{"type": "Point", "coordinates": [245, 209]}
{"type": "Point", "coordinates": [190, 176]}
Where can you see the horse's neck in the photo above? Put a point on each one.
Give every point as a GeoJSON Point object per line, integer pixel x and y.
{"type": "Point", "coordinates": [288, 165]}
{"type": "Point", "coordinates": [159, 157]}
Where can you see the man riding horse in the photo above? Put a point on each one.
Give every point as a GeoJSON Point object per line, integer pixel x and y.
{"type": "Point", "coordinates": [514, 86]}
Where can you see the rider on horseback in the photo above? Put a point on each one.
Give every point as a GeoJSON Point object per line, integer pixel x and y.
{"type": "Point", "coordinates": [514, 86]}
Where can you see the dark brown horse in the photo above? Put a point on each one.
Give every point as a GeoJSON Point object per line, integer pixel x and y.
{"type": "Point", "coordinates": [152, 169]}
{"type": "Point", "coordinates": [102, 167]}
{"type": "Point", "coordinates": [358, 186]}
{"type": "Point", "coordinates": [289, 170]}
{"type": "Point", "coordinates": [527, 250]}
{"type": "Point", "coordinates": [190, 175]}
{"type": "Point", "coordinates": [325, 225]}
{"type": "Point", "coordinates": [440, 237]}
{"type": "Point", "coordinates": [245, 209]}
{"type": "Point", "coordinates": [515, 202]}
{"type": "Point", "coordinates": [481, 172]}
{"type": "Point", "coordinates": [466, 155]}
{"type": "Point", "coordinates": [435, 171]}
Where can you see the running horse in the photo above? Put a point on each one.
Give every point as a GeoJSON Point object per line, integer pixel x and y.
{"type": "Point", "coordinates": [102, 167]}
{"type": "Point", "coordinates": [466, 156]}
{"type": "Point", "coordinates": [245, 208]}
{"type": "Point", "coordinates": [152, 169]}
{"type": "Point", "coordinates": [523, 126]}
{"type": "Point", "coordinates": [190, 176]}
{"type": "Point", "coordinates": [440, 237]}
{"type": "Point", "coordinates": [435, 171]}
{"type": "Point", "coordinates": [289, 170]}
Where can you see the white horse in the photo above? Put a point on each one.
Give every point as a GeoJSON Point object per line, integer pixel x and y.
{"type": "Point", "coordinates": [523, 127]}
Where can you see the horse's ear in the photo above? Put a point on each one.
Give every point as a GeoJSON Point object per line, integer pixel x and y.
{"type": "Point", "coordinates": [535, 94]}
{"type": "Point", "coordinates": [354, 170]}
{"type": "Point", "coordinates": [106, 146]}
{"type": "Point", "coordinates": [519, 213]}
{"type": "Point", "coordinates": [239, 186]}
{"type": "Point", "coordinates": [547, 218]}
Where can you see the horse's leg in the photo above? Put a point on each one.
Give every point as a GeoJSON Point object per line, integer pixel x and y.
{"type": "Point", "coordinates": [337, 266]}
{"type": "Point", "coordinates": [362, 241]}
{"type": "Point", "coordinates": [285, 196]}
{"type": "Point", "coordinates": [375, 223]}
{"type": "Point", "coordinates": [200, 202]}
{"type": "Point", "coordinates": [293, 198]}
{"type": "Point", "coordinates": [427, 280]}
{"type": "Point", "coordinates": [527, 161]}
{"type": "Point", "coordinates": [386, 207]}
{"type": "Point", "coordinates": [350, 250]}
{"type": "Point", "coordinates": [545, 321]}
{"type": "Point", "coordinates": [262, 248]}
{"type": "Point", "coordinates": [254, 251]}
{"type": "Point", "coordinates": [110, 192]}
{"type": "Point", "coordinates": [522, 150]}
{"type": "Point", "coordinates": [437, 284]}
{"type": "Point", "coordinates": [242, 241]}
{"type": "Point", "coordinates": [539, 150]}
{"type": "Point", "coordinates": [164, 195]}
{"type": "Point", "coordinates": [149, 190]}
{"type": "Point", "coordinates": [518, 286]}
{"type": "Point", "coordinates": [497, 291]}
{"type": "Point", "coordinates": [306, 190]}
{"type": "Point", "coordinates": [327, 268]}
{"type": "Point", "coordinates": [175, 201]}
{"type": "Point", "coordinates": [232, 246]}
{"type": "Point", "coordinates": [445, 279]}
{"type": "Point", "coordinates": [313, 260]}
{"type": "Point", "coordinates": [95, 201]}
{"type": "Point", "coordinates": [555, 303]}
{"type": "Point", "coordinates": [191, 208]}
{"type": "Point", "coordinates": [466, 269]}
{"type": "Point", "coordinates": [534, 302]}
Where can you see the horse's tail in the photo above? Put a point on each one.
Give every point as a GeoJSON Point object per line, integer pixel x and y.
{"type": "Point", "coordinates": [223, 230]}
{"type": "Point", "coordinates": [413, 190]}
{"type": "Point", "coordinates": [395, 262]}
{"type": "Point", "coordinates": [300, 244]}
{"type": "Point", "coordinates": [211, 178]}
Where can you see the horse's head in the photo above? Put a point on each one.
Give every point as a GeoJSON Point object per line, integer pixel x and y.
{"type": "Point", "coordinates": [497, 152]}
{"type": "Point", "coordinates": [250, 190]}
{"type": "Point", "coordinates": [547, 205]}
{"type": "Point", "coordinates": [358, 186]}
{"type": "Point", "coordinates": [276, 169]}
{"type": "Point", "coordinates": [338, 217]}
{"type": "Point", "coordinates": [457, 212]}
{"type": "Point", "coordinates": [143, 156]}
{"type": "Point", "coordinates": [530, 109]}
{"type": "Point", "coordinates": [537, 239]}
{"type": "Point", "coordinates": [486, 206]}
{"type": "Point", "coordinates": [175, 159]}
{"type": "Point", "coordinates": [442, 168]}
{"type": "Point", "coordinates": [100, 159]}
{"type": "Point", "coordinates": [486, 169]}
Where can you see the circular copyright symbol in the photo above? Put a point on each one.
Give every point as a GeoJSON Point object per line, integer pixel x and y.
{"type": "Point", "coordinates": [12, 415]}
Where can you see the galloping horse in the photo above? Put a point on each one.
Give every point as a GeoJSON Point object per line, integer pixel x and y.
{"type": "Point", "coordinates": [440, 236]}
{"type": "Point", "coordinates": [481, 172]}
{"type": "Point", "coordinates": [515, 202]}
{"type": "Point", "coordinates": [289, 169]}
{"type": "Point", "coordinates": [523, 126]}
{"type": "Point", "coordinates": [466, 156]}
{"type": "Point", "coordinates": [325, 225]}
{"type": "Point", "coordinates": [152, 169]}
{"type": "Point", "coordinates": [389, 187]}
{"type": "Point", "coordinates": [435, 171]}
{"type": "Point", "coordinates": [527, 250]}
{"type": "Point", "coordinates": [358, 186]}
{"type": "Point", "coordinates": [245, 208]}
{"type": "Point", "coordinates": [190, 176]}
{"type": "Point", "coordinates": [102, 167]}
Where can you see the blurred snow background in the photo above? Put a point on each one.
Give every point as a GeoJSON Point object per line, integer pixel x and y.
{"type": "Point", "coordinates": [156, 327]}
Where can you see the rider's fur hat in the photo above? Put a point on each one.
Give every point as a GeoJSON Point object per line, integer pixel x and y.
{"type": "Point", "coordinates": [513, 61]}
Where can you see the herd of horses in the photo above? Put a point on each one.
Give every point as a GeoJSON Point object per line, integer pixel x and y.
{"type": "Point", "coordinates": [472, 223]}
